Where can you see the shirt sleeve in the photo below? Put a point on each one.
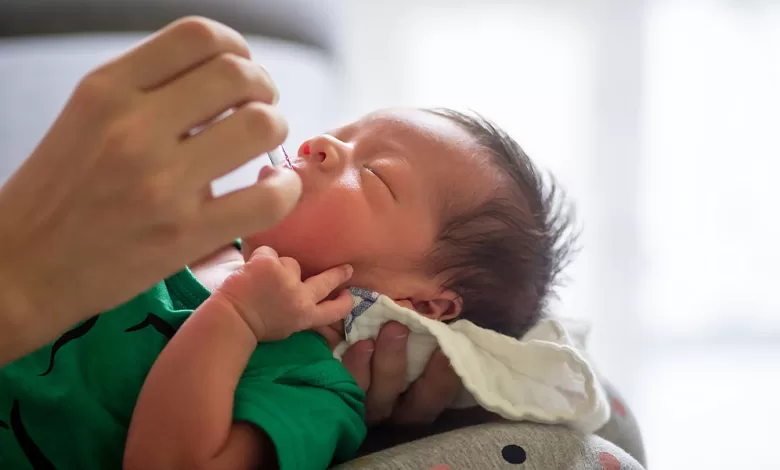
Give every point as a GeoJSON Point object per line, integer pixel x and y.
{"type": "Point", "coordinates": [312, 412]}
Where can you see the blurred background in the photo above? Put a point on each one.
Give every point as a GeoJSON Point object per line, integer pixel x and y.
{"type": "Point", "coordinates": [660, 117]}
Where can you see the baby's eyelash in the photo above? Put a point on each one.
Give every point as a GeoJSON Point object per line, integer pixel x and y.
{"type": "Point", "coordinates": [370, 170]}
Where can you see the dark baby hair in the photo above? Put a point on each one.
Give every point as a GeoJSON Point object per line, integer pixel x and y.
{"type": "Point", "coordinates": [504, 256]}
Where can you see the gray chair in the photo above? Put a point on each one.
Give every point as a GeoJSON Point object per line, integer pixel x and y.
{"type": "Point", "coordinates": [47, 45]}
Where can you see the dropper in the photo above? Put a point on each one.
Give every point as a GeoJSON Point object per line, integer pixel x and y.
{"type": "Point", "coordinates": [278, 156]}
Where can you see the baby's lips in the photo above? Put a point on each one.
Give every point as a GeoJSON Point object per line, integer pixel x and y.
{"type": "Point", "coordinates": [266, 172]}
{"type": "Point", "coordinates": [269, 171]}
{"type": "Point", "coordinates": [280, 189]}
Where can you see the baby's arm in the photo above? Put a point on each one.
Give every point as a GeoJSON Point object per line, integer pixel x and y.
{"type": "Point", "coordinates": [184, 414]}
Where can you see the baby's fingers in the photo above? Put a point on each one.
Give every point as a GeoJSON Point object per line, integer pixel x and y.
{"type": "Point", "coordinates": [264, 252]}
{"type": "Point", "coordinates": [292, 267]}
{"type": "Point", "coordinates": [330, 311]}
{"type": "Point", "coordinates": [321, 285]}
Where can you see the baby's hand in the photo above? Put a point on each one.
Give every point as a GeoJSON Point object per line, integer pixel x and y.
{"type": "Point", "coordinates": [268, 293]}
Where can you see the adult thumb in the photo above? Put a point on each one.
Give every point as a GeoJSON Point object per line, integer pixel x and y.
{"type": "Point", "coordinates": [260, 206]}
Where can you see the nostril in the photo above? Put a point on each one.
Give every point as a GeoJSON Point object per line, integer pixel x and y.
{"type": "Point", "coordinates": [321, 155]}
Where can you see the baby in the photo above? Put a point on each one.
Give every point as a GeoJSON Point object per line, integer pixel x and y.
{"type": "Point", "coordinates": [440, 211]}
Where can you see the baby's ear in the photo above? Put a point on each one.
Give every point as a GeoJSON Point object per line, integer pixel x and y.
{"type": "Point", "coordinates": [445, 305]}
{"type": "Point", "coordinates": [406, 303]}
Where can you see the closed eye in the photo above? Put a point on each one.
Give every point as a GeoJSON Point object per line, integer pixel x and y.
{"type": "Point", "coordinates": [379, 177]}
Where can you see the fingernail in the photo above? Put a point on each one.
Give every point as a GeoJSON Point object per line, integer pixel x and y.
{"type": "Point", "coordinates": [398, 341]}
{"type": "Point", "coordinates": [271, 83]}
{"type": "Point", "coordinates": [349, 269]}
{"type": "Point", "coordinates": [367, 353]}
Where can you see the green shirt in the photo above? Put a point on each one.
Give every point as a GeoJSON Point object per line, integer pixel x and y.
{"type": "Point", "coordinates": [68, 405]}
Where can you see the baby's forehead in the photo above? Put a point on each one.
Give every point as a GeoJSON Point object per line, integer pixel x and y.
{"type": "Point", "coordinates": [450, 160]}
{"type": "Point", "coordinates": [417, 131]}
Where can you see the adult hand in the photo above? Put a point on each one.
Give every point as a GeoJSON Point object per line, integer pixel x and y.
{"type": "Point", "coordinates": [380, 369]}
{"type": "Point", "coordinates": [117, 194]}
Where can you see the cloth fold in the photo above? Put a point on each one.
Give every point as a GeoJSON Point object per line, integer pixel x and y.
{"type": "Point", "coordinates": [542, 377]}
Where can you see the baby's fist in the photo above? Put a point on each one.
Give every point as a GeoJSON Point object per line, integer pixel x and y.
{"type": "Point", "coordinates": [268, 293]}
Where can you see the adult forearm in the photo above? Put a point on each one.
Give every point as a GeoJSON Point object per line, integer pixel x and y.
{"type": "Point", "coordinates": [26, 323]}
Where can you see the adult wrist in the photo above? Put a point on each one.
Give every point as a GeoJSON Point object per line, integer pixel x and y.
{"type": "Point", "coordinates": [19, 331]}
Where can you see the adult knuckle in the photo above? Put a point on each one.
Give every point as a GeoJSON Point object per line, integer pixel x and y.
{"type": "Point", "coordinates": [234, 70]}
{"type": "Point", "coordinates": [250, 80]}
{"type": "Point", "coordinates": [208, 35]}
{"type": "Point", "coordinates": [95, 93]}
{"type": "Point", "coordinates": [198, 31]}
{"type": "Point", "coordinates": [258, 117]}
{"type": "Point", "coordinates": [264, 119]}
{"type": "Point", "coordinates": [260, 84]}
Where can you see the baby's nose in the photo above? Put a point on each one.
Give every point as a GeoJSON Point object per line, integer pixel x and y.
{"type": "Point", "coordinates": [326, 151]}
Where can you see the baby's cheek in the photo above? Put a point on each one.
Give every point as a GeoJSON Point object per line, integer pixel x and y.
{"type": "Point", "coordinates": [332, 242]}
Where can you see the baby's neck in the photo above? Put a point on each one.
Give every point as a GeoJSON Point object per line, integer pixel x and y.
{"type": "Point", "coordinates": [213, 269]}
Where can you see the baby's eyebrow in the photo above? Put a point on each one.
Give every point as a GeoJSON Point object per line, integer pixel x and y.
{"type": "Point", "coordinates": [344, 133]}
{"type": "Point", "coordinates": [393, 145]}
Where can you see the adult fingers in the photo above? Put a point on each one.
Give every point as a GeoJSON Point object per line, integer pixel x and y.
{"type": "Point", "coordinates": [357, 360]}
{"type": "Point", "coordinates": [175, 49]}
{"type": "Point", "coordinates": [223, 82]}
{"type": "Point", "coordinates": [429, 395]}
{"type": "Point", "coordinates": [388, 371]}
{"type": "Point", "coordinates": [324, 283]}
{"type": "Point", "coordinates": [250, 130]}
{"type": "Point", "coordinates": [251, 209]}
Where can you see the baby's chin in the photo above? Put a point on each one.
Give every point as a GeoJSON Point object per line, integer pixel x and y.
{"type": "Point", "coordinates": [306, 255]}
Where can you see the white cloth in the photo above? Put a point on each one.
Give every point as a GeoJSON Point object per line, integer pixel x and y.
{"type": "Point", "coordinates": [543, 377]}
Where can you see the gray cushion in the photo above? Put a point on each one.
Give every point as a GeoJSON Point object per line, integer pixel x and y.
{"type": "Point", "coordinates": [525, 446]}
{"type": "Point", "coordinates": [308, 22]}
{"type": "Point", "coordinates": [616, 446]}
{"type": "Point", "coordinates": [622, 428]}
{"type": "Point", "coordinates": [40, 73]}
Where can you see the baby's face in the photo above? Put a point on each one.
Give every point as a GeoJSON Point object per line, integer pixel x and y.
{"type": "Point", "coordinates": [374, 196]}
